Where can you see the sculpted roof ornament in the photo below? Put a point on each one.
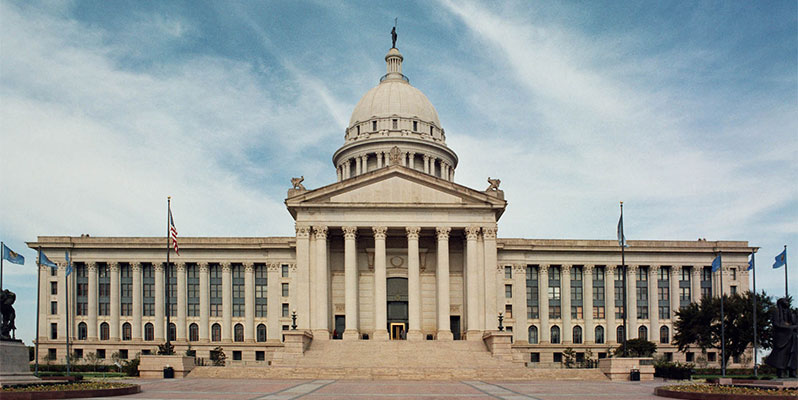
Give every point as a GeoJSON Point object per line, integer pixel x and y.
{"type": "Point", "coordinates": [395, 156]}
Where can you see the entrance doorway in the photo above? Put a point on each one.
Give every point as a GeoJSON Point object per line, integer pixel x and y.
{"type": "Point", "coordinates": [340, 326]}
{"type": "Point", "coordinates": [454, 325]}
{"type": "Point", "coordinates": [397, 308]}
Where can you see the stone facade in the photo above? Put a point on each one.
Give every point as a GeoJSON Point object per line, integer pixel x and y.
{"type": "Point", "coordinates": [394, 250]}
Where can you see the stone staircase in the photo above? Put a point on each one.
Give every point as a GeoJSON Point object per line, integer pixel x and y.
{"type": "Point", "coordinates": [396, 360]}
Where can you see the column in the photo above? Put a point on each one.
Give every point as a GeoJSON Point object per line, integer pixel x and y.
{"type": "Point", "coordinates": [380, 156]}
{"type": "Point", "coordinates": [273, 305]}
{"type": "Point", "coordinates": [695, 284]}
{"type": "Point", "coordinates": [380, 285]}
{"type": "Point", "coordinates": [249, 302]}
{"type": "Point", "coordinates": [113, 269]}
{"type": "Point", "coordinates": [180, 324]}
{"type": "Point", "coordinates": [473, 330]}
{"type": "Point", "coordinates": [413, 285]}
{"type": "Point", "coordinates": [93, 304]}
{"type": "Point", "coordinates": [609, 304]}
{"type": "Point", "coordinates": [404, 159]}
{"type": "Point", "coordinates": [44, 302]}
{"type": "Point", "coordinates": [492, 308]}
{"type": "Point", "coordinates": [347, 169]}
{"type": "Point", "coordinates": [135, 270]}
{"type": "Point", "coordinates": [631, 301]}
{"type": "Point", "coordinates": [519, 304]}
{"type": "Point", "coordinates": [350, 283]}
{"type": "Point", "coordinates": [205, 304]}
{"type": "Point", "coordinates": [159, 302]}
{"type": "Point", "coordinates": [339, 171]}
{"type": "Point", "coordinates": [565, 283]}
{"type": "Point", "coordinates": [442, 276]}
{"type": "Point", "coordinates": [358, 166]}
{"type": "Point", "coordinates": [426, 164]}
{"type": "Point", "coordinates": [675, 291]}
{"type": "Point", "coordinates": [300, 284]}
{"type": "Point", "coordinates": [62, 304]}
{"type": "Point", "coordinates": [227, 302]}
{"type": "Point", "coordinates": [653, 302]}
{"type": "Point", "coordinates": [587, 303]}
{"type": "Point", "coordinates": [365, 163]}
{"type": "Point", "coordinates": [543, 302]}
{"type": "Point", "coordinates": [321, 280]}
{"type": "Point", "coordinates": [411, 160]}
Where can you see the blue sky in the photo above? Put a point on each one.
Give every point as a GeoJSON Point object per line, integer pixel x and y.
{"type": "Point", "coordinates": [687, 112]}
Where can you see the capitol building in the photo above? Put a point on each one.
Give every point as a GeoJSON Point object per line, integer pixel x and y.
{"type": "Point", "coordinates": [394, 250]}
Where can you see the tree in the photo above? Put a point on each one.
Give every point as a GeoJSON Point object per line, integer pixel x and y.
{"type": "Point", "coordinates": [218, 357]}
{"type": "Point", "coordinates": [699, 324]}
{"type": "Point", "coordinates": [637, 348]}
{"type": "Point", "coordinates": [92, 359]}
{"type": "Point", "coordinates": [569, 357]}
{"type": "Point", "coordinates": [166, 349]}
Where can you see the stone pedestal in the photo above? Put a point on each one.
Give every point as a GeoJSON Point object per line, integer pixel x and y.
{"type": "Point", "coordinates": [152, 366]}
{"type": "Point", "coordinates": [618, 368]}
{"type": "Point", "coordinates": [296, 343]}
{"type": "Point", "coordinates": [499, 344]}
{"type": "Point", "coordinates": [14, 364]}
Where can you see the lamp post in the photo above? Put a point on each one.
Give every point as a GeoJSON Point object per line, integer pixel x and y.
{"type": "Point", "coordinates": [501, 318]}
{"type": "Point", "coordinates": [293, 320]}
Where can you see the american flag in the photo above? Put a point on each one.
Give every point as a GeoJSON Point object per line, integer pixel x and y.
{"type": "Point", "coordinates": [173, 231]}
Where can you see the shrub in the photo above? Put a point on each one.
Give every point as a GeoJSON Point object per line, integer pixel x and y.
{"type": "Point", "coordinates": [166, 349]}
{"type": "Point", "coordinates": [218, 357]}
{"type": "Point", "coordinates": [637, 348]}
{"type": "Point", "coordinates": [671, 370]}
{"type": "Point", "coordinates": [131, 367]}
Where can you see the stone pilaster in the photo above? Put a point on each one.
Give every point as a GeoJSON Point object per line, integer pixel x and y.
{"type": "Point", "coordinates": [674, 291]}
{"type": "Point", "coordinates": [610, 329]}
{"type": "Point", "coordinates": [565, 302]}
{"type": "Point", "coordinates": [474, 330]}
{"type": "Point", "coordinates": [136, 325]}
{"type": "Point", "coordinates": [93, 303]}
{"type": "Point", "coordinates": [653, 302]}
{"type": "Point", "coordinates": [631, 300]}
{"type": "Point", "coordinates": [249, 302]}
{"type": "Point", "coordinates": [442, 280]}
{"type": "Point", "coordinates": [182, 296]}
{"type": "Point", "coordinates": [227, 302]}
{"type": "Point", "coordinates": [380, 285]}
{"type": "Point", "coordinates": [492, 308]}
{"type": "Point", "coordinates": [587, 304]}
{"type": "Point", "coordinates": [413, 284]}
{"type": "Point", "coordinates": [519, 304]}
{"type": "Point", "coordinates": [300, 283]}
{"type": "Point", "coordinates": [543, 303]}
{"type": "Point", "coordinates": [321, 281]}
{"type": "Point", "coordinates": [205, 304]}
{"type": "Point", "coordinates": [350, 283]}
{"type": "Point", "coordinates": [695, 283]}
{"type": "Point", "coordinates": [159, 302]}
{"type": "Point", "coordinates": [113, 269]}
{"type": "Point", "coordinates": [273, 304]}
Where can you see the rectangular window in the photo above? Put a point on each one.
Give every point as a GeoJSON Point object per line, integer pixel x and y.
{"type": "Point", "coordinates": [127, 290]}
{"type": "Point", "coordinates": [260, 355]}
{"type": "Point", "coordinates": [684, 294]}
{"type": "Point", "coordinates": [216, 310]}
{"type": "Point", "coordinates": [105, 289]}
{"type": "Point", "coordinates": [103, 309]}
{"type": "Point", "coordinates": [78, 353]}
{"type": "Point", "coordinates": [395, 124]}
{"type": "Point", "coordinates": [193, 290]}
{"type": "Point", "coordinates": [284, 267]}
{"type": "Point", "coordinates": [554, 293]}
{"type": "Point", "coordinates": [260, 310]}
{"type": "Point", "coordinates": [53, 330]}
{"type": "Point", "coordinates": [576, 312]}
{"type": "Point", "coordinates": [686, 273]}
{"type": "Point", "coordinates": [733, 273]}
{"type": "Point", "coordinates": [123, 354]}
{"type": "Point", "coordinates": [598, 293]}
{"type": "Point", "coordinates": [53, 271]}
{"type": "Point", "coordinates": [193, 310]}
{"type": "Point", "coordinates": [82, 309]}
{"type": "Point", "coordinates": [415, 126]}
{"type": "Point", "coordinates": [238, 291]}
{"type": "Point", "coordinates": [576, 293]}
{"type": "Point", "coordinates": [598, 273]}
{"type": "Point", "coordinates": [149, 289]}
{"type": "Point", "coordinates": [706, 292]}
{"type": "Point", "coordinates": [285, 310]}
{"type": "Point", "coordinates": [555, 312]}
{"type": "Point", "coordinates": [238, 310]}
{"type": "Point", "coordinates": [642, 294]}
{"type": "Point", "coordinates": [83, 289]}
{"type": "Point", "coordinates": [532, 312]}
{"type": "Point", "coordinates": [52, 354]}
{"type": "Point", "coordinates": [508, 291]}
{"type": "Point", "coordinates": [534, 357]}
{"type": "Point", "coordinates": [53, 287]}
{"type": "Point", "coordinates": [285, 289]}
{"type": "Point", "coordinates": [127, 309]}
{"type": "Point", "coordinates": [576, 273]}
{"type": "Point", "coordinates": [664, 274]}
{"type": "Point", "coordinates": [101, 354]}
{"type": "Point", "coordinates": [689, 356]}
{"type": "Point", "coordinates": [508, 311]}
{"type": "Point", "coordinates": [642, 274]}
{"type": "Point", "coordinates": [642, 312]}
{"type": "Point", "coordinates": [508, 272]}
{"type": "Point", "coordinates": [733, 289]}
{"type": "Point", "coordinates": [664, 312]}
{"type": "Point", "coordinates": [53, 307]}
{"type": "Point", "coordinates": [618, 312]}
{"type": "Point", "coordinates": [261, 291]}
{"type": "Point", "coordinates": [598, 312]}
{"type": "Point", "coordinates": [663, 293]}
{"type": "Point", "coordinates": [149, 309]}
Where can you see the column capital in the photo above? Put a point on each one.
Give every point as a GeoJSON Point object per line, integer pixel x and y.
{"type": "Point", "coordinates": [274, 267]}
{"type": "Point", "coordinates": [180, 267]}
{"type": "Point", "coordinates": [413, 232]}
{"type": "Point", "coordinates": [472, 232]}
{"type": "Point", "coordinates": [157, 267]}
{"type": "Point", "coordinates": [565, 268]}
{"type": "Point", "coordinates": [632, 268]}
{"type": "Point", "coordinates": [302, 231]}
{"type": "Point", "coordinates": [675, 270]}
{"type": "Point", "coordinates": [320, 232]}
{"type": "Point", "coordinates": [226, 266]}
{"type": "Point", "coordinates": [519, 267]}
{"type": "Point", "coordinates": [588, 268]}
{"type": "Point", "coordinates": [204, 267]}
{"type": "Point", "coordinates": [249, 267]}
{"type": "Point", "coordinates": [135, 267]}
{"type": "Point", "coordinates": [489, 232]}
{"type": "Point", "coordinates": [113, 266]}
{"type": "Point", "coordinates": [694, 270]}
{"type": "Point", "coordinates": [609, 268]}
{"type": "Point", "coordinates": [543, 268]}
{"type": "Point", "coordinates": [380, 232]}
{"type": "Point", "coordinates": [653, 268]}
{"type": "Point", "coordinates": [350, 232]}
{"type": "Point", "coordinates": [443, 232]}
{"type": "Point", "coordinates": [92, 266]}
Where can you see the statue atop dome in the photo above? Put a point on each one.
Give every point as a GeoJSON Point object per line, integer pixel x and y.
{"type": "Point", "coordinates": [393, 34]}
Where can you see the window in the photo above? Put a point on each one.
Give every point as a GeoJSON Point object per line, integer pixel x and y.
{"type": "Point", "coordinates": [123, 354]}
{"type": "Point", "coordinates": [216, 310]}
{"type": "Point", "coordinates": [689, 356]}
{"type": "Point", "coordinates": [373, 125]}
{"type": "Point", "coordinates": [642, 293]}
{"type": "Point", "coordinates": [172, 331]}
{"type": "Point", "coordinates": [576, 293]}
{"type": "Point", "coordinates": [193, 333]}
{"type": "Point", "coordinates": [82, 289]}
{"type": "Point", "coordinates": [149, 332]}
{"type": "Point", "coordinates": [576, 312]}
{"type": "Point", "coordinates": [126, 310]}
{"type": "Point", "coordinates": [508, 272]}
{"type": "Point", "coordinates": [78, 353]}
{"type": "Point", "coordinates": [684, 294]}
{"type": "Point", "coordinates": [53, 330]}
{"type": "Point", "coordinates": [598, 293]}
{"type": "Point", "coordinates": [554, 292]}
{"type": "Point", "coordinates": [52, 354]}
{"type": "Point", "coordinates": [664, 312]}
{"type": "Point", "coordinates": [599, 334]}
{"type": "Point", "coordinates": [415, 126]}
{"type": "Point", "coordinates": [577, 336]}
{"type": "Point", "coordinates": [239, 333]}
{"type": "Point", "coordinates": [642, 274]}
{"type": "Point", "coordinates": [127, 331]}
{"type": "Point", "coordinates": [82, 331]}
{"type": "Point", "coordinates": [216, 333]}
{"type": "Point", "coordinates": [642, 333]}
{"type": "Point", "coordinates": [285, 310]}
{"type": "Point", "coordinates": [554, 274]}
{"type": "Point", "coordinates": [53, 287]}
{"type": "Point", "coordinates": [711, 356]}
{"type": "Point", "coordinates": [534, 357]}
{"type": "Point", "coordinates": [260, 355]}
{"type": "Point", "coordinates": [508, 291]}
{"type": "Point", "coordinates": [733, 289]}
{"type": "Point", "coordinates": [619, 312]}
{"type": "Point", "coordinates": [149, 309]}
{"type": "Point", "coordinates": [555, 312]}
{"type": "Point", "coordinates": [555, 334]}
{"type": "Point", "coordinates": [664, 273]}
{"type": "Point", "coordinates": [261, 331]}
{"type": "Point", "coordinates": [598, 273]}
{"type": "Point", "coordinates": [533, 335]}
{"type": "Point", "coordinates": [508, 311]}
{"type": "Point", "coordinates": [53, 307]}
{"type": "Point", "coordinates": [149, 289]}
{"type": "Point", "coordinates": [733, 273]}
{"type": "Point", "coordinates": [598, 312]}
{"type": "Point", "coordinates": [557, 357]}
{"type": "Point", "coordinates": [664, 335]}
{"type": "Point", "coordinates": [576, 273]}
{"type": "Point", "coordinates": [620, 334]}
{"type": "Point", "coordinates": [104, 328]}
{"type": "Point", "coordinates": [103, 309]}
{"type": "Point", "coordinates": [53, 271]}
{"type": "Point", "coordinates": [284, 267]}
{"type": "Point", "coordinates": [686, 273]}
{"type": "Point", "coordinates": [642, 312]}
{"type": "Point", "coordinates": [285, 290]}
{"type": "Point", "coordinates": [105, 289]}
{"type": "Point", "coordinates": [236, 355]}
{"type": "Point", "coordinates": [101, 354]}
{"type": "Point", "coordinates": [193, 310]}
{"type": "Point", "coordinates": [395, 124]}
{"type": "Point", "coordinates": [358, 129]}
{"type": "Point", "coordinates": [663, 293]}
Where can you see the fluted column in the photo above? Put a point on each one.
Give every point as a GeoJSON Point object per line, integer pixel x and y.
{"type": "Point", "coordinates": [413, 284]}
{"type": "Point", "coordinates": [695, 284]}
{"type": "Point", "coordinates": [674, 291]}
{"type": "Point", "coordinates": [492, 307]}
{"type": "Point", "coordinates": [474, 330]}
{"type": "Point", "coordinates": [113, 269]}
{"type": "Point", "coordinates": [653, 302]}
{"type": "Point", "coordinates": [93, 303]}
{"type": "Point", "coordinates": [543, 301]}
{"type": "Point", "coordinates": [347, 169]}
{"type": "Point", "coordinates": [350, 283]}
{"type": "Point", "coordinates": [565, 302]}
{"type": "Point", "coordinates": [180, 270]}
{"type": "Point", "coordinates": [300, 284]}
{"type": "Point", "coordinates": [358, 166]}
{"type": "Point", "coordinates": [587, 303]}
{"type": "Point", "coordinates": [159, 301]}
{"type": "Point", "coordinates": [249, 302]}
{"type": "Point", "coordinates": [135, 270]}
{"type": "Point", "coordinates": [380, 156]}
{"type": "Point", "coordinates": [227, 302]}
{"type": "Point", "coordinates": [204, 305]}
{"type": "Point", "coordinates": [321, 280]}
{"type": "Point", "coordinates": [519, 304]}
{"type": "Point", "coordinates": [609, 304]}
{"type": "Point", "coordinates": [339, 172]}
{"type": "Point", "coordinates": [273, 304]}
{"type": "Point", "coordinates": [62, 304]}
{"type": "Point", "coordinates": [426, 164]}
{"type": "Point", "coordinates": [380, 285]}
{"type": "Point", "coordinates": [442, 276]}
{"type": "Point", "coordinates": [631, 300]}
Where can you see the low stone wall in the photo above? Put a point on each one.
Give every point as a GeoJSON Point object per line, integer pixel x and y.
{"type": "Point", "coordinates": [499, 344]}
{"type": "Point", "coordinates": [152, 366]}
{"type": "Point", "coordinates": [674, 394]}
{"type": "Point", "coordinates": [618, 368]}
{"type": "Point", "coordinates": [70, 394]}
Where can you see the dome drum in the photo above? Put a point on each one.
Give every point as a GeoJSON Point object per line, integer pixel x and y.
{"type": "Point", "coordinates": [360, 158]}
{"type": "Point", "coordinates": [394, 125]}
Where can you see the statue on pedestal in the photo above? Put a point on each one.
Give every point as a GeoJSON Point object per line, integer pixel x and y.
{"type": "Point", "coordinates": [7, 299]}
{"type": "Point", "coordinates": [784, 356]}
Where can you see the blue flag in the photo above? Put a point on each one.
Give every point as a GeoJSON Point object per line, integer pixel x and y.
{"type": "Point", "coordinates": [751, 262]}
{"type": "Point", "coordinates": [69, 264]}
{"type": "Point", "coordinates": [621, 237]}
{"type": "Point", "coordinates": [43, 260]}
{"type": "Point", "coordinates": [12, 256]}
{"type": "Point", "coordinates": [781, 259]}
{"type": "Point", "coordinates": [716, 264]}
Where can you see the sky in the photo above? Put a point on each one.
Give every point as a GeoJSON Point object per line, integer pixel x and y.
{"type": "Point", "coordinates": [686, 111]}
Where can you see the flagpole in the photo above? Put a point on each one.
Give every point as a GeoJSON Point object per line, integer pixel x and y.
{"type": "Point", "coordinates": [66, 283]}
{"type": "Point", "coordinates": [38, 307]}
{"type": "Point", "coordinates": [722, 321]}
{"type": "Point", "coordinates": [625, 301]}
{"type": "Point", "coordinates": [168, 305]}
{"type": "Point", "coordinates": [2, 257]}
{"type": "Point", "coordinates": [753, 267]}
{"type": "Point", "coordinates": [786, 285]}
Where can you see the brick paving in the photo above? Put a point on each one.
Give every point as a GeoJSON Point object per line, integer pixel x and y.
{"type": "Point", "coordinates": [327, 389]}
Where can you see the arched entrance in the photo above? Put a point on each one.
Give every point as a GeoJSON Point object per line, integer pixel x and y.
{"type": "Point", "coordinates": [397, 308]}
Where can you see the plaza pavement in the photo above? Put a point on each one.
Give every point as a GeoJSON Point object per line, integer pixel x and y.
{"type": "Point", "coordinates": [323, 389]}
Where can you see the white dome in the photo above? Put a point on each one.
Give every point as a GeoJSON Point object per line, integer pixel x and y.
{"type": "Point", "coordinates": [394, 97]}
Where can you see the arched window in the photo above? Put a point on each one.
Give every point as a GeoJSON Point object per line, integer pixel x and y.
{"type": "Point", "coordinates": [193, 333]}
{"type": "Point", "coordinates": [664, 335]}
{"type": "Point", "coordinates": [127, 331]}
{"type": "Point", "coordinates": [104, 328]}
{"type": "Point", "coordinates": [642, 333]}
{"type": "Point", "coordinates": [82, 331]}
{"type": "Point", "coordinates": [216, 333]}
{"type": "Point", "coordinates": [149, 331]}
{"type": "Point", "coordinates": [599, 334]}
{"type": "Point", "coordinates": [555, 334]}
{"type": "Point", "coordinates": [172, 332]}
{"type": "Point", "coordinates": [620, 334]}
{"type": "Point", "coordinates": [577, 335]}
{"type": "Point", "coordinates": [239, 332]}
{"type": "Point", "coordinates": [261, 333]}
{"type": "Point", "coordinates": [533, 334]}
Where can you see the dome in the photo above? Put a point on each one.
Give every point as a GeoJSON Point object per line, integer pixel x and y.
{"type": "Point", "coordinates": [394, 97]}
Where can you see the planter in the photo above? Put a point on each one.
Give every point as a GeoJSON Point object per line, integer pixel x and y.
{"type": "Point", "coordinates": [152, 366]}
{"type": "Point", "coordinates": [620, 368]}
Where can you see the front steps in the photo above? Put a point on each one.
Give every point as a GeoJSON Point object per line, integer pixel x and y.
{"type": "Point", "coordinates": [396, 360]}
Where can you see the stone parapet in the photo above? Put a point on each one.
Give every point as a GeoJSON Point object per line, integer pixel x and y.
{"type": "Point", "coordinates": [619, 368]}
{"type": "Point", "coordinates": [499, 344]}
{"type": "Point", "coordinates": [151, 366]}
